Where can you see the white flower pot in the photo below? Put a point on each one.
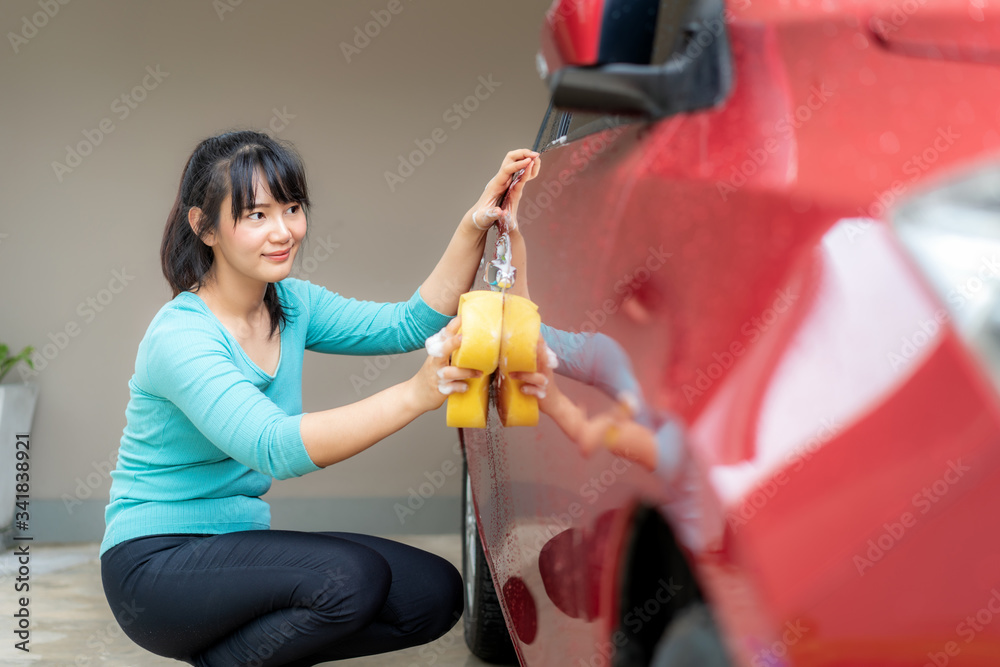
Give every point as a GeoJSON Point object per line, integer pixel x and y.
{"type": "Point", "coordinates": [17, 408]}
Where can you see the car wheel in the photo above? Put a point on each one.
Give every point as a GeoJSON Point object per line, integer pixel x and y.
{"type": "Point", "coordinates": [485, 629]}
{"type": "Point", "coordinates": [691, 640]}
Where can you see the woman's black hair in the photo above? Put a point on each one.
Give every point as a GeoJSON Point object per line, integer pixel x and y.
{"type": "Point", "coordinates": [227, 165]}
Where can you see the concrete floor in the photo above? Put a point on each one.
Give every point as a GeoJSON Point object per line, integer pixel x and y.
{"type": "Point", "coordinates": [72, 625]}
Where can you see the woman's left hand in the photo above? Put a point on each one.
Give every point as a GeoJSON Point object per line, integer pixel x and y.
{"type": "Point", "coordinates": [484, 212]}
{"type": "Point", "coordinates": [436, 379]}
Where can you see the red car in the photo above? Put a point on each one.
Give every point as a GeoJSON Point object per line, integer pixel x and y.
{"type": "Point", "coordinates": [768, 233]}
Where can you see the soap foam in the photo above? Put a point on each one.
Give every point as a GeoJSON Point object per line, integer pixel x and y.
{"type": "Point", "coordinates": [452, 387]}
{"type": "Point", "coordinates": [533, 390]}
{"type": "Point", "coordinates": [630, 402]}
{"type": "Point", "coordinates": [435, 344]}
{"type": "Point", "coordinates": [551, 360]}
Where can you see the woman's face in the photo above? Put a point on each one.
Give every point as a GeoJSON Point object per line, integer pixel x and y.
{"type": "Point", "coordinates": [262, 244]}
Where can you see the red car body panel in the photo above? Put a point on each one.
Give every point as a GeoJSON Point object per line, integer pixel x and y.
{"type": "Point", "coordinates": [843, 443]}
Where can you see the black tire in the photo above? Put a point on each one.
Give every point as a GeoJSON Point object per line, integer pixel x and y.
{"type": "Point", "coordinates": [486, 632]}
{"type": "Point", "coordinates": [691, 639]}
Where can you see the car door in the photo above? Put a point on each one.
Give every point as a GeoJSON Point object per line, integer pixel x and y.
{"type": "Point", "coordinates": [552, 520]}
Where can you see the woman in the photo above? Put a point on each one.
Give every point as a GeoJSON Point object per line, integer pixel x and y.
{"type": "Point", "coordinates": [189, 565]}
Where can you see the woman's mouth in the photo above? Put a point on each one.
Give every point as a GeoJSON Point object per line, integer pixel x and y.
{"type": "Point", "coordinates": [279, 256]}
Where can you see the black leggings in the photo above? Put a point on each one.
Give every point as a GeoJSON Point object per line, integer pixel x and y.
{"type": "Point", "coordinates": [272, 597]}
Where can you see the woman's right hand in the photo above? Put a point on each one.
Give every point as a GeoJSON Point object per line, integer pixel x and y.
{"type": "Point", "coordinates": [484, 212]}
{"type": "Point", "coordinates": [436, 379]}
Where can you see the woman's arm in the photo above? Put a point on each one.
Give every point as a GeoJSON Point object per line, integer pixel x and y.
{"type": "Point", "coordinates": [187, 361]}
{"type": "Point", "coordinates": [333, 435]}
{"type": "Point", "coordinates": [340, 325]}
{"type": "Point", "coordinates": [455, 271]}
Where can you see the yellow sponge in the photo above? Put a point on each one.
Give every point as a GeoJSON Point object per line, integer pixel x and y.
{"type": "Point", "coordinates": [481, 313]}
{"type": "Point", "coordinates": [468, 409]}
{"type": "Point", "coordinates": [498, 331]}
{"type": "Point", "coordinates": [518, 352]}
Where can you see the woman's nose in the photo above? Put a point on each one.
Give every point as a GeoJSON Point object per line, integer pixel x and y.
{"type": "Point", "coordinates": [280, 231]}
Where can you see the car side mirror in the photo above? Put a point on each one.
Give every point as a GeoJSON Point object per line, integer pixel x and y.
{"type": "Point", "coordinates": [696, 74]}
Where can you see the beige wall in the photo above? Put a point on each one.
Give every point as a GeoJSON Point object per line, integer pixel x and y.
{"type": "Point", "coordinates": [64, 235]}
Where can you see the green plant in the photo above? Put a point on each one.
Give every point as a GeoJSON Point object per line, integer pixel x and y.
{"type": "Point", "coordinates": [7, 362]}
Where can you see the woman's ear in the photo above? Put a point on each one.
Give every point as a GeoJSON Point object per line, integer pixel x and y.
{"type": "Point", "coordinates": [195, 218]}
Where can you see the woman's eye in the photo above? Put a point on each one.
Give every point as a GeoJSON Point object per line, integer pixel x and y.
{"type": "Point", "coordinates": [293, 209]}
{"type": "Point", "coordinates": [256, 215]}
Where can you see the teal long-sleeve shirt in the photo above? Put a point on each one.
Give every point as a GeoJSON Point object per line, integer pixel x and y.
{"type": "Point", "coordinates": [206, 429]}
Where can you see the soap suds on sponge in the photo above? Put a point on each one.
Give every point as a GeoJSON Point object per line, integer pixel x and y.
{"type": "Point", "coordinates": [435, 344]}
